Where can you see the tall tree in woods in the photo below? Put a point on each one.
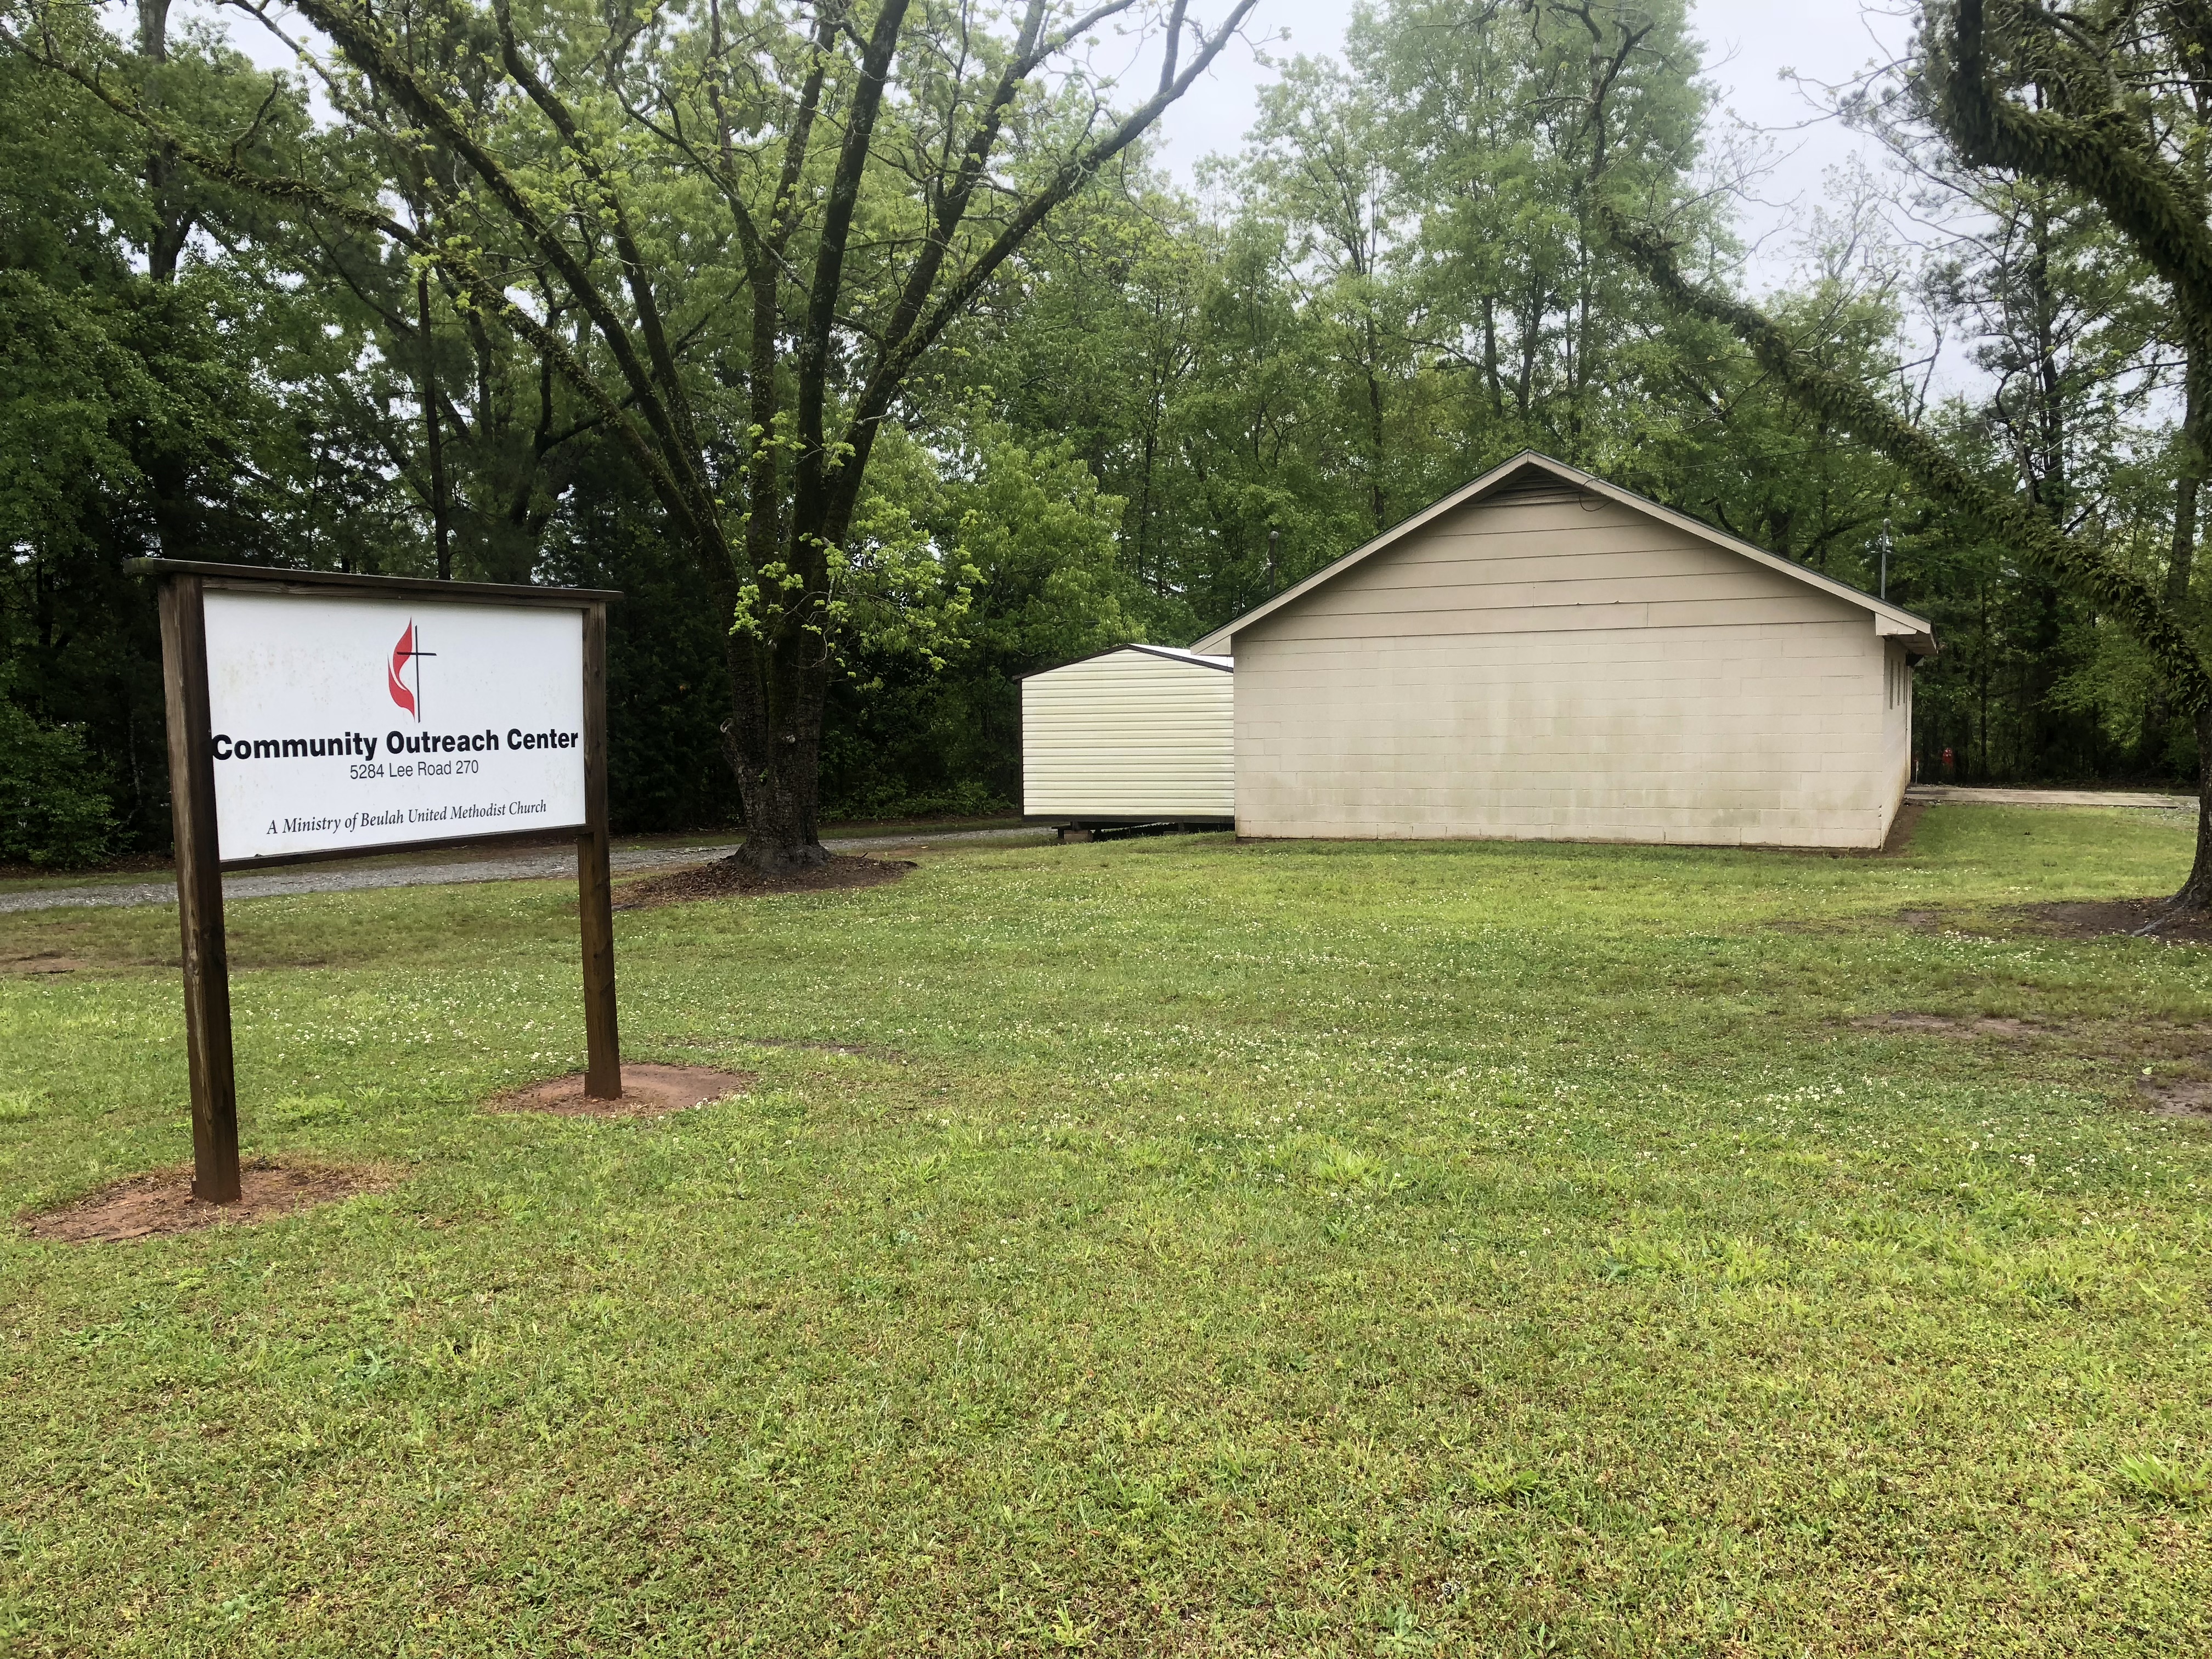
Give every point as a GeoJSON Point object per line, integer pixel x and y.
{"type": "Point", "coordinates": [2066, 326]}
{"type": "Point", "coordinates": [1501, 118]}
{"type": "Point", "coordinates": [1098, 345]}
{"type": "Point", "coordinates": [1317, 161]}
{"type": "Point", "coordinates": [1389, 289]}
{"type": "Point", "coordinates": [475, 425]}
{"type": "Point", "coordinates": [2109, 101]}
{"type": "Point", "coordinates": [2078, 371]}
{"type": "Point", "coordinates": [734, 235]}
{"type": "Point", "coordinates": [142, 406]}
{"type": "Point", "coordinates": [2082, 101]}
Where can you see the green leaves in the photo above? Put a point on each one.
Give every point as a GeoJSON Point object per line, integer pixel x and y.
{"type": "Point", "coordinates": [53, 795]}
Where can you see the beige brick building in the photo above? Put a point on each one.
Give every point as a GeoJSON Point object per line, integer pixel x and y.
{"type": "Point", "coordinates": [1542, 655]}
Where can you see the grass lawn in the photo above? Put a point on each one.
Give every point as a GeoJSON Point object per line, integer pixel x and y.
{"type": "Point", "coordinates": [1204, 1249]}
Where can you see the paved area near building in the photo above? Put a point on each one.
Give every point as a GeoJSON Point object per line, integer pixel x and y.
{"type": "Point", "coordinates": [1931, 794]}
{"type": "Point", "coordinates": [537, 863]}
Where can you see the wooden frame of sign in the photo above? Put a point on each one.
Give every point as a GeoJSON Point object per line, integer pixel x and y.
{"type": "Point", "coordinates": [186, 670]}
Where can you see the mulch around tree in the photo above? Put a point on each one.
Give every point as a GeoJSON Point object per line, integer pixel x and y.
{"type": "Point", "coordinates": [2079, 919]}
{"type": "Point", "coordinates": [2104, 917]}
{"type": "Point", "coordinates": [648, 1091]}
{"type": "Point", "coordinates": [162, 1203]}
{"type": "Point", "coordinates": [729, 878]}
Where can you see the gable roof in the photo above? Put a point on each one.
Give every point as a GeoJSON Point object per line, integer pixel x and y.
{"type": "Point", "coordinates": [1172, 652]}
{"type": "Point", "coordinates": [1918, 633]}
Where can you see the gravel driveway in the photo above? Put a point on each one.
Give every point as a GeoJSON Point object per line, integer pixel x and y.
{"type": "Point", "coordinates": [1938, 794]}
{"type": "Point", "coordinates": [537, 864]}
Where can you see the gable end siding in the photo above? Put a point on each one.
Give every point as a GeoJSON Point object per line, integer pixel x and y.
{"type": "Point", "coordinates": [1566, 668]}
{"type": "Point", "coordinates": [1130, 734]}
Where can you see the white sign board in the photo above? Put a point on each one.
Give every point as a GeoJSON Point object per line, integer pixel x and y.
{"type": "Point", "coordinates": [357, 722]}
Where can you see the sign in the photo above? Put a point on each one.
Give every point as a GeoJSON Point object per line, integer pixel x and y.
{"type": "Point", "coordinates": [345, 723]}
{"type": "Point", "coordinates": [312, 714]}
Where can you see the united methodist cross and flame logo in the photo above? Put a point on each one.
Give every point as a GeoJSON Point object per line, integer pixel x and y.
{"type": "Point", "coordinates": [409, 650]}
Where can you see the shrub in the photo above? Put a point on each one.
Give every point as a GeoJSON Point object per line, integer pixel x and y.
{"type": "Point", "coordinates": [53, 805]}
{"type": "Point", "coordinates": [887, 800]}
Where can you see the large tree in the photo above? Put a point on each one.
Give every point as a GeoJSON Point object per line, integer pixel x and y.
{"type": "Point", "coordinates": [2084, 100]}
{"type": "Point", "coordinates": [733, 234]}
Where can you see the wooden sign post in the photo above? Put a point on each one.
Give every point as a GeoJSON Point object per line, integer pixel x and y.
{"type": "Point", "coordinates": [277, 682]}
{"type": "Point", "coordinates": [594, 880]}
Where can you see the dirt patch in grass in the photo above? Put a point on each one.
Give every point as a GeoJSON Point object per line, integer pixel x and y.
{"type": "Point", "coordinates": [2168, 1063]}
{"type": "Point", "coordinates": [2177, 1097]}
{"type": "Point", "coordinates": [1976, 1026]}
{"type": "Point", "coordinates": [1900, 839]}
{"type": "Point", "coordinates": [648, 1091]}
{"type": "Point", "coordinates": [40, 962]}
{"type": "Point", "coordinates": [728, 878]}
{"type": "Point", "coordinates": [861, 1049]}
{"type": "Point", "coordinates": [153, 1206]}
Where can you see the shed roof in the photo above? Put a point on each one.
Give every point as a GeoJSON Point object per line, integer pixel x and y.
{"type": "Point", "coordinates": [1173, 653]}
{"type": "Point", "coordinates": [1916, 631]}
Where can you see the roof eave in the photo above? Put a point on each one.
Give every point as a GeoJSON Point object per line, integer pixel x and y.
{"type": "Point", "coordinates": [1166, 652]}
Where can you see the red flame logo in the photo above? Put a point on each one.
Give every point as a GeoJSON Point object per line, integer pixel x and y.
{"type": "Point", "coordinates": [401, 694]}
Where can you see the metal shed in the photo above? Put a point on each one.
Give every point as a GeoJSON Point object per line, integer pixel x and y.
{"type": "Point", "coordinates": [1542, 654]}
{"type": "Point", "coordinates": [1137, 735]}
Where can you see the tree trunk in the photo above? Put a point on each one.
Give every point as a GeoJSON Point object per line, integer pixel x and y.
{"type": "Point", "coordinates": [165, 245]}
{"type": "Point", "coordinates": [176, 516]}
{"type": "Point", "coordinates": [1145, 495]}
{"type": "Point", "coordinates": [1529, 328]}
{"type": "Point", "coordinates": [440, 536]}
{"type": "Point", "coordinates": [773, 742]}
{"type": "Point", "coordinates": [2195, 897]}
{"type": "Point", "coordinates": [1377, 506]}
{"type": "Point", "coordinates": [2181, 566]}
{"type": "Point", "coordinates": [1490, 355]}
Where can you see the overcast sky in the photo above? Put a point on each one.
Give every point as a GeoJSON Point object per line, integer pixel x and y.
{"type": "Point", "coordinates": [1748, 44]}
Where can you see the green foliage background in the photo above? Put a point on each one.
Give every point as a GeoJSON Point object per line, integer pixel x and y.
{"type": "Point", "coordinates": [1175, 402]}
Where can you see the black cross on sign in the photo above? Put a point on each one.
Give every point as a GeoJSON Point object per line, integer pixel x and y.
{"type": "Point", "coordinates": [414, 631]}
